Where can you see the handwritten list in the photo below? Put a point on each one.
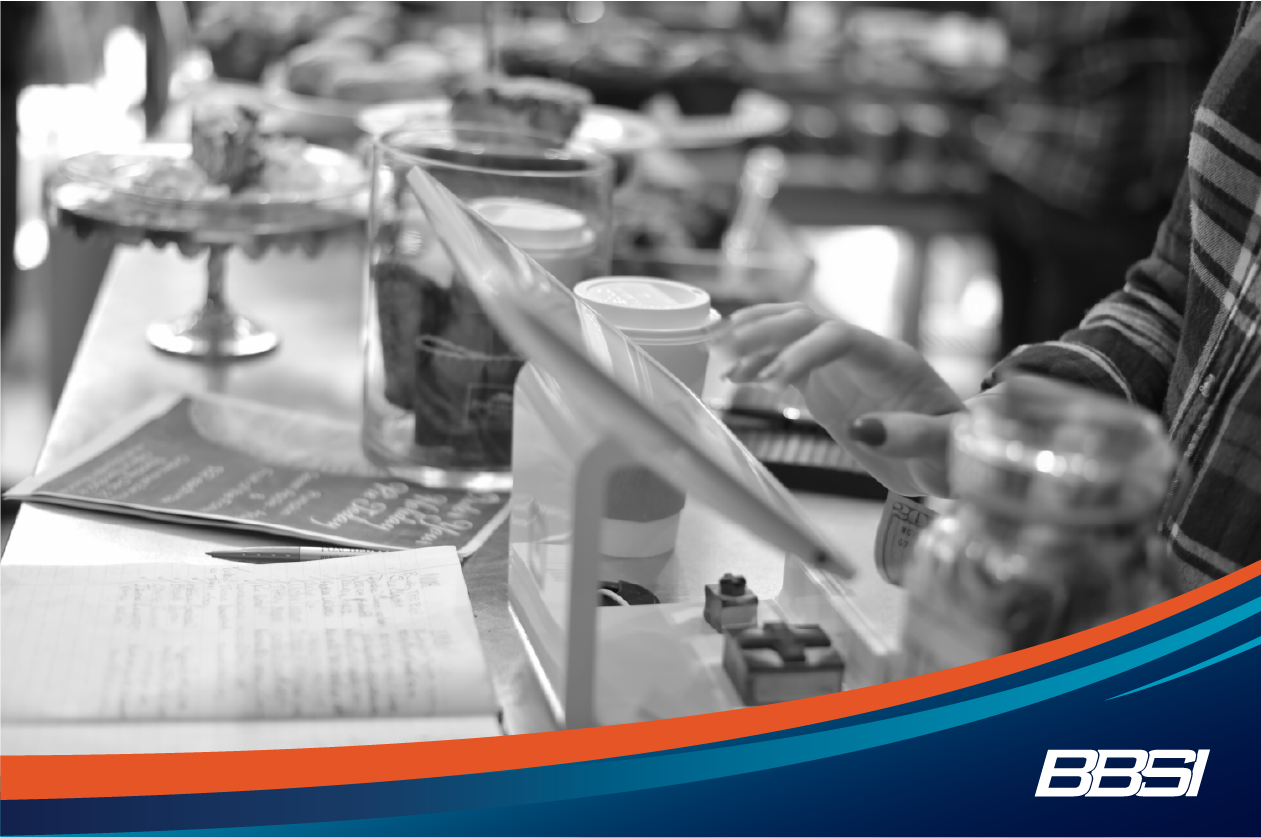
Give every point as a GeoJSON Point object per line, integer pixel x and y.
{"type": "Point", "coordinates": [389, 634]}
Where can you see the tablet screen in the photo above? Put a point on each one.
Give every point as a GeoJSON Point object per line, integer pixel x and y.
{"type": "Point", "coordinates": [627, 395]}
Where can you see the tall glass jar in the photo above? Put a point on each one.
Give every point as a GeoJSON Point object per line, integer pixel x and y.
{"type": "Point", "coordinates": [1058, 494]}
{"type": "Point", "coordinates": [438, 377]}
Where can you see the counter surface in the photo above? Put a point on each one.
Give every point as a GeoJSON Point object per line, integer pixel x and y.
{"type": "Point", "coordinates": [315, 306]}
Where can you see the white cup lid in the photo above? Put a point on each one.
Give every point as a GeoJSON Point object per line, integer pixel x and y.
{"type": "Point", "coordinates": [647, 304]}
{"type": "Point", "coordinates": [534, 225]}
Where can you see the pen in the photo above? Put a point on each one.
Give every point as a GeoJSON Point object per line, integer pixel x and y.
{"type": "Point", "coordinates": [289, 554]}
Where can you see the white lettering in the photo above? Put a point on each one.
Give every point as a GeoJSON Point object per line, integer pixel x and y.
{"type": "Point", "coordinates": [1133, 774]}
{"type": "Point", "coordinates": [1197, 773]}
{"type": "Point", "coordinates": [1183, 775]}
{"type": "Point", "coordinates": [1100, 765]}
{"type": "Point", "coordinates": [1050, 771]}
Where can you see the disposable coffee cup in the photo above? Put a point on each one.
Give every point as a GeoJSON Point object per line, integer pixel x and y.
{"type": "Point", "coordinates": [560, 239]}
{"type": "Point", "coordinates": [671, 321]}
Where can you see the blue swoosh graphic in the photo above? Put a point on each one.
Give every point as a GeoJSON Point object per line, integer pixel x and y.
{"type": "Point", "coordinates": [1251, 644]}
{"type": "Point", "coordinates": [678, 768]}
{"type": "Point", "coordinates": [611, 777]}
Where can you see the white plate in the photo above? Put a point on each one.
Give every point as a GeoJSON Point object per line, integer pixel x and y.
{"type": "Point", "coordinates": [615, 130]}
{"type": "Point", "coordinates": [99, 188]}
{"type": "Point", "coordinates": [331, 175]}
{"type": "Point", "coordinates": [309, 116]}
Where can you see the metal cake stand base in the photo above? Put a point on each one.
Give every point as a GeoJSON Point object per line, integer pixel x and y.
{"type": "Point", "coordinates": [215, 330]}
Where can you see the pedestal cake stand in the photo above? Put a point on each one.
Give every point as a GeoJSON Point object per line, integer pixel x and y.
{"type": "Point", "coordinates": [95, 195]}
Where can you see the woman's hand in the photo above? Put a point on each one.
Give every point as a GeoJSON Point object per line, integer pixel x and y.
{"type": "Point", "coordinates": [877, 397]}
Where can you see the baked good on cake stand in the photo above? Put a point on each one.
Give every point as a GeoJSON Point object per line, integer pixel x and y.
{"type": "Point", "coordinates": [227, 189]}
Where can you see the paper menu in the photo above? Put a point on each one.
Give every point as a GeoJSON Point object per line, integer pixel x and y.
{"type": "Point", "coordinates": [381, 635]}
{"type": "Point", "coordinates": [217, 461]}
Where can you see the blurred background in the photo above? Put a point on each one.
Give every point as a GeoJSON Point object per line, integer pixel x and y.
{"type": "Point", "coordinates": [964, 176]}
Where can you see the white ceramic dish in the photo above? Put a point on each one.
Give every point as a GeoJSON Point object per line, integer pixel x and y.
{"type": "Point", "coordinates": [614, 130]}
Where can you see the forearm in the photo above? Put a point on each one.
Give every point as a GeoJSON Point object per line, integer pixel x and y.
{"type": "Point", "coordinates": [1126, 344]}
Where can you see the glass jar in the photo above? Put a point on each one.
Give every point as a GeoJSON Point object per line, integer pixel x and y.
{"type": "Point", "coordinates": [1058, 495]}
{"type": "Point", "coordinates": [438, 377]}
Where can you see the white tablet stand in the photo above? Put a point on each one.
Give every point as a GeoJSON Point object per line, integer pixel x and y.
{"type": "Point", "coordinates": [589, 403]}
{"type": "Point", "coordinates": [561, 478]}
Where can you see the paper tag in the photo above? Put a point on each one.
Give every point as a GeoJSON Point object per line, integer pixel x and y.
{"type": "Point", "coordinates": [900, 525]}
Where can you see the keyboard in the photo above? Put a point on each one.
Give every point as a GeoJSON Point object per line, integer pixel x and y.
{"type": "Point", "coordinates": [779, 431]}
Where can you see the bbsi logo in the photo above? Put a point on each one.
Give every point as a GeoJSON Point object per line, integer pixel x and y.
{"type": "Point", "coordinates": [1130, 772]}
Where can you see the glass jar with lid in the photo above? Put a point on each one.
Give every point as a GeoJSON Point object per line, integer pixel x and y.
{"type": "Point", "coordinates": [1059, 491]}
{"type": "Point", "coordinates": [438, 377]}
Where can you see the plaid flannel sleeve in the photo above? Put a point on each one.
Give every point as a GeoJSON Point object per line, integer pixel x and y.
{"type": "Point", "coordinates": [1127, 343]}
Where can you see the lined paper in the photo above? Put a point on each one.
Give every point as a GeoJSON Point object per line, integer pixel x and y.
{"type": "Point", "coordinates": [371, 636]}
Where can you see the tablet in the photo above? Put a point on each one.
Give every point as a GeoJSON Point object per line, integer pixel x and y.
{"type": "Point", "coordinates": [623, 386]}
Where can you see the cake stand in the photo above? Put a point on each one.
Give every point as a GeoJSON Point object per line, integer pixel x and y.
{"type": "Point", "coordinates": [93, 196]}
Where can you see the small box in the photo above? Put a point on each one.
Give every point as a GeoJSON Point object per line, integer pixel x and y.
{"type": "Point", "coordinates": [782, 662]}
{"type": "Point", "coordinates": [730, 604]}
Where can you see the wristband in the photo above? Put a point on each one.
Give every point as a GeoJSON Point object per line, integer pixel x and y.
{"type": "Point", "coordinates": [900, 525]}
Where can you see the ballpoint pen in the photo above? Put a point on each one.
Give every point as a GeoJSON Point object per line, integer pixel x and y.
{"type": "Point", "coordinates": [291, 554]}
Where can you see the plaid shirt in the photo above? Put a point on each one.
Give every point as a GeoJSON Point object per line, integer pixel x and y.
{"type": "Point", "coordinates": [1183, 338]}
{"type": "Point", "coordinates": [1099, 99]}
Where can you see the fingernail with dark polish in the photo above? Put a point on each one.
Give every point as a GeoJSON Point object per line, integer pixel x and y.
{"type": "Point", "coordinates": [867, 430]}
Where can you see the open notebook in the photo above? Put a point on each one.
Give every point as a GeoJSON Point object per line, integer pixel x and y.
{"type": "Point", "coordinates": [136, 658]}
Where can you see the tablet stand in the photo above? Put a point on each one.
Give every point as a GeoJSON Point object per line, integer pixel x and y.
{"type": "Point", "coordinates": [561, 472]}
{"type": "Point", "coordinates": [592, 487]}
